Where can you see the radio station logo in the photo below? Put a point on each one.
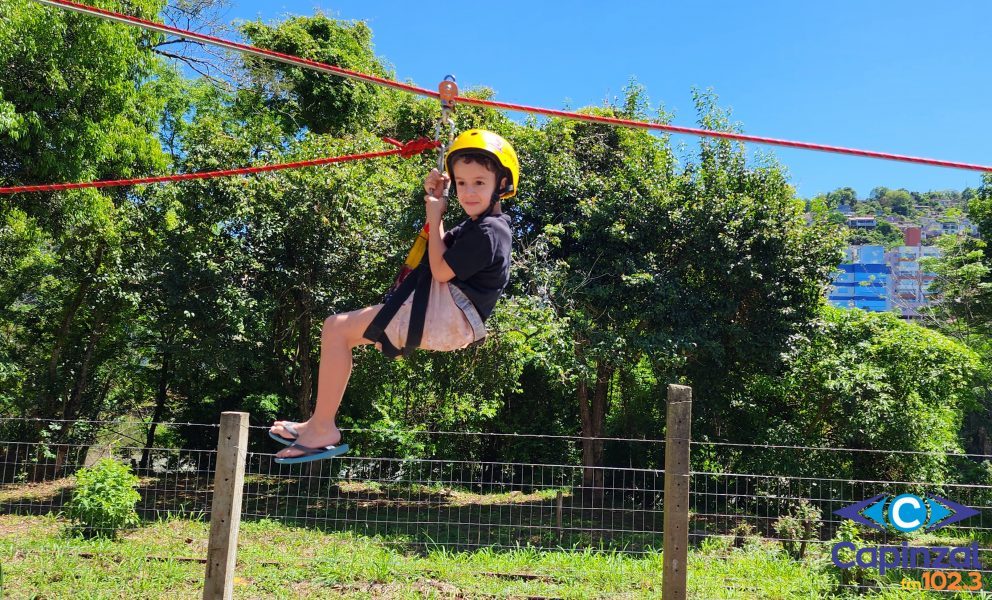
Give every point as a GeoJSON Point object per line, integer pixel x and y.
{"type": "Point", "coordinates": [906, 513]}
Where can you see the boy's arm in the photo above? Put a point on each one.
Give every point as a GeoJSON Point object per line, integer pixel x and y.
{"type": "Point", "coordinates": [435, 252]}
{"type": "Point", "coordinates": [435, 207]}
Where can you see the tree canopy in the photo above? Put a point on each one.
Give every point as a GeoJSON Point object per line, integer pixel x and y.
{"type": "Point", "coordinates": [636, 263]}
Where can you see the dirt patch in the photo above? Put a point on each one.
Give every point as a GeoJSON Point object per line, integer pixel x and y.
{"type": "Point", "coordinates": [515, 497]}
{"type": "Point", "coordinates": [36, 492]}
{"type": "Point", "coordinates": [20, 527]}
{"type": "Point", "coordinates": [429, 588]}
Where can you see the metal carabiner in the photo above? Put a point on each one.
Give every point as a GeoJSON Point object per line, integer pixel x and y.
{"type": "Point", "coordinates": [446, 118]}
{"type": "Point", "coordinates": [447, 92]}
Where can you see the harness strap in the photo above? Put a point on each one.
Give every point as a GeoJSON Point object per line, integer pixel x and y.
{"type": "Point", "coordinates": [418, 312]}
{"type": "Point", "coordinates": [418, 281]}
{"type": "Point", "coordinates": [471, 314]}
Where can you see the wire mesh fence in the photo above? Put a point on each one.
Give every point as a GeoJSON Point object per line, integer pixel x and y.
{"type": "Point", "coordinates": [502, 491]}
{"type": "Point", "coordinates": [734, 506]}
{"type": "Point", "coordinates": [457, 503]}
{"type": "Point", "coordinates": [38, 477]}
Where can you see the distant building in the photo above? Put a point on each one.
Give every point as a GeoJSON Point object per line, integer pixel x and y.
{"type": "Point", "coordinates": [878, 281]}
{"type": "Point", "coordinates": [861, 280]}
{"type": "Point", "coordinates": [912, 236]}
{"type": "Point", "coordinates": [968, 227]}
{"type": "Point", "coordinates": [862, 222]}
{"type": "Point", "coordinates": [949, 227]}
{"type": "Point", "coordinates": [930, 228]}
{"type": "Point", "coordinates": [909, 284]}
{"type": "Point", "coordinates": [933, 227]}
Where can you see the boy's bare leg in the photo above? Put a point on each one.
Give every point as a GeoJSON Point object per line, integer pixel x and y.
{"type": "Point", "coordinates": [338, 336]}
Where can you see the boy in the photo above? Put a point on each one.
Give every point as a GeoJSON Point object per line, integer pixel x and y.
{"type": "Point", "coordinates": [466, 271]}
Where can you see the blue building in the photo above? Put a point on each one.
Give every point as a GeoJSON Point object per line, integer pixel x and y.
{"type": "Point", "coordinates": [862, 280]}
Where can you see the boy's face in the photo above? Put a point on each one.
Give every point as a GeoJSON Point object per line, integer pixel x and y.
{"type": "Point", "coordinates": [475, 185]}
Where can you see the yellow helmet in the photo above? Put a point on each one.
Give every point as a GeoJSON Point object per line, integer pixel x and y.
{"type": "Point", "coordinates": [487, 142]}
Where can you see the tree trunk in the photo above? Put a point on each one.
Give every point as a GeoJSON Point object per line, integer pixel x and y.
{"type": "Point", "coordinates": [599, 407]}
{"type": "Point", "coordinates": [592, 410]}
{"type": "Point", "coordinates": [61, 336]}
{"type": "Point", "coordinates": [304, 396]}
{"type": "Point", "coordinates": [44, 469]}
{"type": "Point", "coordinates": [70, 408]}
{"type": "Point", "coordinates": [585, 414]}
{"type": "Point", "coordinates": [159, 412]}
{"type": "Point", "coordinates": [281, 330]}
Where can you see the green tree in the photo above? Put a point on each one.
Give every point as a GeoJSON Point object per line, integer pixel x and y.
{"type": "Point", "coordinates": [842, 196]}
{"type": "Point", "coordinates": [866, 381]}
{"type": "Point", "coordinates": [897, 202]}
{"type": "Point", "coordinates": [878, 193]}
{"type": "Point", "coordinates": [80, 99]}
{"type": "Point", "coordinates": [316, 101]}
{"type": "Point", "coordinates": [962, 306]}
{"type": "Point", "coordinates": [77, 97]}
{"type": "Point", "coordinates": [23, 260]}
{"type": "Point", "coordinates": [980, 211]}
{"type": "Point", "coordinates": [706, 271]}
{"type": "Point", "coordinates": [884, 234]}
{"type": "Point", "coordinates": [962, 288]}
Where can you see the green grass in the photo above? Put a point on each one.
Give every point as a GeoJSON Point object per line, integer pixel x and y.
{"type": "Point", "coordinates": [42, 559]}
{"type": "Point", "coordinates": [360, 539]}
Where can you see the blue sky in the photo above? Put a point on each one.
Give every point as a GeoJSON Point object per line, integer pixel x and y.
{"type": "Point", "coordinates": [907, 76]}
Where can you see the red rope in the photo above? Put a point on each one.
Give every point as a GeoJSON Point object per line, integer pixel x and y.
{"type": "Point", "coordinates": [406, 150]}
{"type": "Point", "coordinates": [286, 58]}
{"type": "Point", "coordinates": [414, 147]}
{"type": "Point", "coordinates": [729, 135]}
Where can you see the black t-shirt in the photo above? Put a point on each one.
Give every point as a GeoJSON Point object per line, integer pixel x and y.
{"type": "Point", "coordinates": [479, 254]}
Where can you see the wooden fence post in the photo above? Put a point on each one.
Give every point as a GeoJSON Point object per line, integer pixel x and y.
{"type": "Point", "coordinates": [677, 438]}
{"type": "Point", "coordinates": [225, 512]}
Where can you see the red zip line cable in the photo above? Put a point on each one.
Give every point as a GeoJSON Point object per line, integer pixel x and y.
{"type": "Point", "coordinates": [318, 66]}
{"type": "Point", "coordinates": [405, 150]}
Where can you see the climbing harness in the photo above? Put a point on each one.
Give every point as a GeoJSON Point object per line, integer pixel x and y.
{"type": "Point", "coordinates": [415, 275]}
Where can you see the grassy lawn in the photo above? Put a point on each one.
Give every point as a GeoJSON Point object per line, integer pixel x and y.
{"type": "Point", "coordinates": [42, 559]}
{"type": "Point", "coordinates": [371, 540]}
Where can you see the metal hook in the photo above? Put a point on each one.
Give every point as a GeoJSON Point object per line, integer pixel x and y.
{"type": "Point", "coordinates": [447, 92]}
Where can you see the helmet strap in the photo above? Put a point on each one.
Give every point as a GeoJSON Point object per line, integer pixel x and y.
{"type": "Point", "coordinates": [496, 196]}
{"type": "Point", "coordinates": [500, 190]}
{"type": "Point", "coordinates": [506, 189]}
{"type": "Point", "coordinates": [492, 204]}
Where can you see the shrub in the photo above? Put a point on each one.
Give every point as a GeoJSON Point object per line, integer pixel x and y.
{"type": "Point", "coordinates": [854, 576]}
{"type": "Point", "coordinates": [104, 498]}
{"type": "Point", "coordinates": [798, 527]}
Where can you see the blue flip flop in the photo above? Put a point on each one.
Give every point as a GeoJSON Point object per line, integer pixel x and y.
{"type": "Point", "coordinates": [312, 454]}
{"type": "Point", "coordinates": [288, 426]}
